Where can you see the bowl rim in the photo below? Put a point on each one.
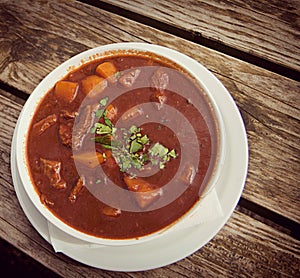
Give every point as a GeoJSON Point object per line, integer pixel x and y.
{"type": "Point", "coordinates": [187, 63]}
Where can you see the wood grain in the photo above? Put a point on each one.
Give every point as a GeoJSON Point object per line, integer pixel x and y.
{"type": "Point", "coordinates": [266, 29]}
{"type": "Point", "coordinates": [234, 250]}
{"type": "Point", "coordinates": [34, 43]}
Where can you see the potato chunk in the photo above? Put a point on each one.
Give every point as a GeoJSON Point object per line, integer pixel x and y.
{"type": "Point", "coordinates": [93, 85]}
{"type": "Point", "coordinates": [148, 193]}
{"type": "Point", "coordinates": [90, 159]}
{"type": "Point", "coordinates": [107, 70]}
{"type": "Point", "coordinates": [66, 90]}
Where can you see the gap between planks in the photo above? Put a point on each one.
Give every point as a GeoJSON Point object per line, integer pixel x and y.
{"type": "Point", "coordinates": [270, 218]}
{"type": "Point", "coordinates": [197, 38]}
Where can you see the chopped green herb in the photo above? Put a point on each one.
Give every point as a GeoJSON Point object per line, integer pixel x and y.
{"type": "Point", "coordinates": [108, 122]}
{"type": "Point", "coordinates": [154, 161]}
{"type": "Point", "coordinates": [172, 154]}
{"type": "Point", "coordinates": [103, 129]}
{"type": "Point", "coordinates": [126, 150]}
{"type": "Point", "coordinates": [125, 163]}
{"type": "Point", "coordinates": [105, 139]}
{"type": "Point", "coordinates": [109, 147]}
{"type": "Point", "coordinates": [98, 181]}
{"type": "Point", "coordinates": [145, 157]}
{"type": "Point", "coordinates": [166, 158]}
{"type": "Point", "coordinates": [158, 150]}
{"type": "Point", "coordinates": [135, 146]}
{"type": "Point", "coordinates": [113, 130]}
{"type": "Point", "coordinates": [144, 140]}
{"type": "Point", "coordinates": [133, 137]}
{"type": "Point", "coordinates": [99, 113]}
{"type": "Point", "coordinates": [138, 164]}
{"type": "Point", "coordinates": [134, 129]}
{"type": "Point", "coordinates": [103, 101]}
{"type": "Point", "coordinates": [116, 144]}
{"type": "Point", "coordinates": [93, 129]}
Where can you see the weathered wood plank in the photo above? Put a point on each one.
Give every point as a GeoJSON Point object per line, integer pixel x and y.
{"type": "Point", "coordinates": [34, 43]}
{"type": "Point", "coordinates": [267, 29]}
{"type": "Point", "coordinates": [234, 250]}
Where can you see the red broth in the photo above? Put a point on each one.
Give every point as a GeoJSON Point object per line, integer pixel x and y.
{"type": "Point", "coordinates": [72, 160]}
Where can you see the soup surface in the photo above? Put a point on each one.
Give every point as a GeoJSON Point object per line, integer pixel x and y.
{"type": "Point", "coordinates": [122, 146]}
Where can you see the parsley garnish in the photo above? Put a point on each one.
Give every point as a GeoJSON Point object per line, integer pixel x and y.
{"type": "Point", "coordinates": [135, 146]}
{"type": "Point", "coordinates": [128, 144]}
{"type": "Point", "coordinates": [103, 101]}
{"type": "Point", "coordinates": [159, 154]}
{"type": "Point", "coordinates": [99, 113]}
{"type": "Point", "coordinates": [102, 129]}
{"type": "Point", "coordinates": [158, 150]}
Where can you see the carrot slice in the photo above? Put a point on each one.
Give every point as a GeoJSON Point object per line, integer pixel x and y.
{"type": "Point", "coordinates": [111, 112]}
{"type": "Point", "coordinates": [90, 159]}
{"type": "Point", "coordinates": [108, 153]}
{"type": "Point", "coordinates": [66, 90]}
{"type": "Point", "coordinates": [107, 70]}
{"type": "Point", "coordinates": [93, 85]}
{"type": "Point", "coordinates": [110, 211]}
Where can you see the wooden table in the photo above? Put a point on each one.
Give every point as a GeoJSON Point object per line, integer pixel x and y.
{"type": "Point", "coordinates": [251, 46]}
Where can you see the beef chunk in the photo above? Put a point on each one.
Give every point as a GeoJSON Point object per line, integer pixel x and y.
{"type": "Point", "coordinates": [65, 133]}
{"type": "Point", "coordinates": [160, 80]}
{"type": "Point", "coordinates": [46, 201]}
{"type": "Point", "coordinates": [82, 127]}
{"type": "Point", "coordinates": [132, 113]}
{"type": "Point", "coordinates": [45, 123]}
{"type": "Point", "coordinates": [188, 174]}
{"type": "Point", "coordinates": [76, 189]}
{"type": "Point", "coordinates": [68, 115]}
{"type": "Point", "coordinates": [52, 170]}
{"type": "Point", "coordinates": [127, 79]}
{"type": "Point", "coordinates": [159, 98]}
{"type": "Point", "coordinates": [66, 126]}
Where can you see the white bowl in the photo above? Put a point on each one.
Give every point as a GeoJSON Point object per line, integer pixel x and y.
{"type": "Point", "coordinates": [199, 72]}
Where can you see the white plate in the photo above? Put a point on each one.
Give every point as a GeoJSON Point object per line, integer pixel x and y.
{"type": "Point", "coordinates": [182, 243]}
